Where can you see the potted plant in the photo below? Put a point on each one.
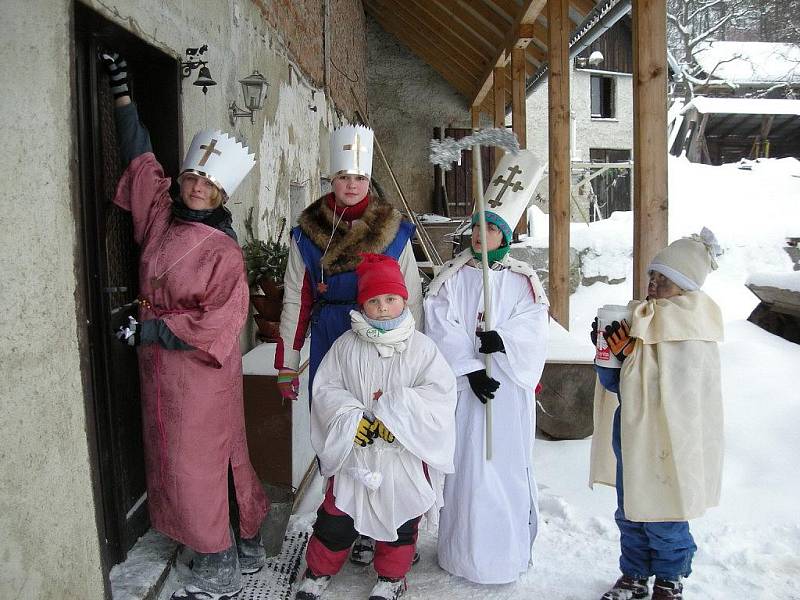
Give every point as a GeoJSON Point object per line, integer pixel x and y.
{"type": "Point", "coordinates": [265, 263]}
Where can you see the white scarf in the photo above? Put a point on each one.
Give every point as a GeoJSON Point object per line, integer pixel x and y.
{"type": "Point", "coordinates": [386, 342]}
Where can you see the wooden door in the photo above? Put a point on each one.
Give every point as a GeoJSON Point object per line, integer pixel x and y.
{"type": "Point", "coordinates": [458, 180]}
{"type": "Point", "coordinates": [110, 268]}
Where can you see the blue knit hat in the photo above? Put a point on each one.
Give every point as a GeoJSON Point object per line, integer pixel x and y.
{"type": "Point", "coordinates": [491, 217]}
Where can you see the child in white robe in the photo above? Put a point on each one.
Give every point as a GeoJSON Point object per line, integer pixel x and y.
{"type": "Point", "coordinates": [383, 427]}
{"type": "Point", "coordinates": [489, 520]}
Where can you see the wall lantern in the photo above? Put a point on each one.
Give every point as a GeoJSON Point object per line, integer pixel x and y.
{"type": "Point", "coordinates": [194, 55]}
{"type": "Point", "coordinates": [254, 90]}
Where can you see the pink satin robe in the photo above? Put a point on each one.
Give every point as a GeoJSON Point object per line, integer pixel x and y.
{"type": "Point", "coordinates": [193, 415]}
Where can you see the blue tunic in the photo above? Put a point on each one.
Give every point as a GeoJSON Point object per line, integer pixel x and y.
{"type": "Point", "coordinates": [330, 316]}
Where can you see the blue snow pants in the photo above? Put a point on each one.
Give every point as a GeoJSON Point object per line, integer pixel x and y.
{"type": "Point", "coordinates": [664, 549]}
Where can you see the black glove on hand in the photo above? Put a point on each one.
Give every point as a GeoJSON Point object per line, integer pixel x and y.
{"type": "Point", "coordinates": [118, 73]}
{"type": "Point", "coordinates": [593, 332]}
{"type": "Point", "coordinates": [490, 342]}
{"type": "Point", "coordinates": [482, 385]}
{"type": "Point", "coordinates": [130, 334]}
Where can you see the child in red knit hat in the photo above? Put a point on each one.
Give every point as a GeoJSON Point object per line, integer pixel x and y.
{"type": "Point", "coordinates": [383, 427]}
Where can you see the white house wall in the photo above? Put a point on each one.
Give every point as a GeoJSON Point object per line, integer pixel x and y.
{"type": "Point", "coordinates": [615, 133]}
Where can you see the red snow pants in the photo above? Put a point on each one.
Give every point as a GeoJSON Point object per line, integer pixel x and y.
{"type": "Point", "coordinates": [334, 533]}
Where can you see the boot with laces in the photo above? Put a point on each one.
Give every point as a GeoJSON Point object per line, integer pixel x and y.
{"type": "Point", "coordinates": [311, 587]}
{"type": "Point", "coordinates": [667, 589]}
{"type": "Point", "coordinates": [388, 589]}
{"type": "Point", "coordinates": [628, 588]}
{"type": "Point", "coordinates": [363, 551]}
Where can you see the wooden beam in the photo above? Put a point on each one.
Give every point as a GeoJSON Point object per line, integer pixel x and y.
{"type": "Point", "coordinates": [584, 7]}
{"type": "Point", "coordinates": [456, 12]}
{"type": "Point", "coordinates": [558, 158]}
{"type": "Point", "coordinates": [453, 73]}
{"type": "Point", "coordinates": [487, 15]}
{"type": "Point", "coordinates": [650, 200]}
{"type": "Point", "coordinates": [499, 105]}
{"type": "Point", "coordinates": [441, 18]}
{"type": "Point", "coordinates": [518, 113]}
{"type": "Point", "coordinates": [528, 12]}
{"type": "Point", "coordinates": [412, 21]}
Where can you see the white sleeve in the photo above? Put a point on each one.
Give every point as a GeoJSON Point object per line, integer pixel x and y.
{"type": "Point", "coordinates": [408, 265]}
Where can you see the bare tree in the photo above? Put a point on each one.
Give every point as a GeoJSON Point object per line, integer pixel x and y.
{"type": "Point", "coordinates": [694, 21]}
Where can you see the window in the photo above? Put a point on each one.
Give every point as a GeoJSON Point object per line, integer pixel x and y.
{"type": "Point", "coordinates": [602, 97]}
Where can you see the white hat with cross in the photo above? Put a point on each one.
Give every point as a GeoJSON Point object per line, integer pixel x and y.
{"type": "Point", "coordinates": [351, 151]}
{"type": "Point", "coordinates": [219, 158]}
{"type": "Point", "coordinates": [511, 189]}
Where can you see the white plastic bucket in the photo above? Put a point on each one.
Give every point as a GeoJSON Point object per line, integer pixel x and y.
{"type": "Point", "coordinates": [605, 316]}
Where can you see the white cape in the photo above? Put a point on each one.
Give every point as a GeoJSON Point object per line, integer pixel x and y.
{"type": "Point", "coordinates": [489, 520]}
{"type": "Point", "coordinates": [417, 405]}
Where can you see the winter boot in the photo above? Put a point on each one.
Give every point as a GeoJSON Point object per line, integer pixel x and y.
{"type": "Point", "coordinates": [363, 551]}
{"type": "Point", "coordinates": [252, 556]}
{"type": "Point", "coordinates": [215, 576]}
{"type": "Point", "coordinates": [311, 587]}
{"type": "Point", "coordinates": [667, 589]}
{"type": "Point", "coordinates": [628, 588]}
{"type": "Point", "coordinates": [388, 589]}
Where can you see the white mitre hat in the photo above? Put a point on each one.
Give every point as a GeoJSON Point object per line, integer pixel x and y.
{"type": "Point", "coordinates": [511, 190]}
{"type": "Point", "coordinates": [351, 151]}
{"type": "Point", "coordinates": [219, 158]}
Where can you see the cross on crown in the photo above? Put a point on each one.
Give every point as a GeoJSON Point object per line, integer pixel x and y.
{"type": "Point", "coordinates": [506, 183]}
{"type": "Point", "coordinates": [357, 149]}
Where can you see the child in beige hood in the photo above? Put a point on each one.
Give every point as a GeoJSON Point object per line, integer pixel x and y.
{"type": "Point", "coordinates": [668, 430]}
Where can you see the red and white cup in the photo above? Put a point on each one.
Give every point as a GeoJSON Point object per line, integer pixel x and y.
{"type": "Point", "coordinates": [607, 314]}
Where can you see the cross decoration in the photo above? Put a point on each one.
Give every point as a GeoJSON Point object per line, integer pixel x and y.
{"type": "Point", "coordinates": [506, 183]}
{"type": "Point", "coordinates": [357, 149]}
{"type": "Point", "coordinates": [209, 151]}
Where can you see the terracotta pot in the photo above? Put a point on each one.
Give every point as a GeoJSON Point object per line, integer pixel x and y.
{"type": "Point", "coordinates": [267, 307]}
{"type": "Point", "coordinates": [272, 289]}
{"type": "Point", "coordinates": [268, 331]}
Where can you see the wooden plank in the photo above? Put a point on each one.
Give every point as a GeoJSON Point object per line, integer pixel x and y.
{"type": "Point", "coordinates": [413, 22]}
{"type": "Point", "coordinates": [444, 19]}
{"type": "Point", "coordinates": [457, 12]}
{"type": "Point", "coordinates": [452, 72]}
{"type": "Point", "coordinates": [487, 15]}
{"type": "Point", "coordinates": [528, 13]}
{"type": "Point", "coordinates": [650, 199]}
{"type": "Point", "coordinates": [559, 172]}
{"type": "Point", "coordinates": [519, 114]}
{"type": "Point", "coordinates": [499, 109]}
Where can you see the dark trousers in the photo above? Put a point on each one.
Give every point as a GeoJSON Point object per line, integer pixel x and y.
{"type": "Point", "coordinates": [334, 533]}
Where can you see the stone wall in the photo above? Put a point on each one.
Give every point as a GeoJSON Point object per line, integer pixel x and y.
{"type": "Point", "coordinates": [408, 98]}
{"type": "Point", "coordinates": [48, 526]}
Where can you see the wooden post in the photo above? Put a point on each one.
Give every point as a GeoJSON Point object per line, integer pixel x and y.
{"type": "Point", "coordinates": [559, 157]}
{"type": "Point", "coordinates": [650, 199]}
{"type": "Point", "coordinates": [476, 124]}
{"type": "Point", "coordinates": [499, 90]}
{"type": "Point", "coordinates": [519, 114]}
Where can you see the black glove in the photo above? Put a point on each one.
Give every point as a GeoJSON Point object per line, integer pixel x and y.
{"type": "Point", "coordinates": [490, 342]}
{"type": "Point", "coordinates": [482, 385]}
{"type": "Point", "coordinates": [593, 332]}
{"type": "Point", "coordinates": [619, 340]}
{"type": "Point", "coordinates": [118, 73]}
{"type": "Point", "coordinates": [131, 333]}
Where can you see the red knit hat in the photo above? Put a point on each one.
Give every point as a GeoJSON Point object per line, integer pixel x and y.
{"type": "Point", "coordinates": [379, 274]}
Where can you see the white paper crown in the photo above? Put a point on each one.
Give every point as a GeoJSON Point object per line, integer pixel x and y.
{"type": "Point", "coordinates": [219, 158]}
{"type": "Point", "coordinates": [512, 186]}
{"type": "Point", "coordinates": [351, 151]}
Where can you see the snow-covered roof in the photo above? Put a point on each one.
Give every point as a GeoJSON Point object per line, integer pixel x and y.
{"type": "Point", "coordinates": [743, 106]}
{"type": "Point", "coordinates": [750, 62]}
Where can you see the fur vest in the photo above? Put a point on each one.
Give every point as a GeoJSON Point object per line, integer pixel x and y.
{"type": "Point", "coordinates": [372, 232]}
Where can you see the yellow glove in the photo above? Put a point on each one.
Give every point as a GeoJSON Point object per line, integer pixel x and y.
{"type": "Point", "coordinates": [380, 430]}
{"type": "Point", "coordinates": [364, 433]}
